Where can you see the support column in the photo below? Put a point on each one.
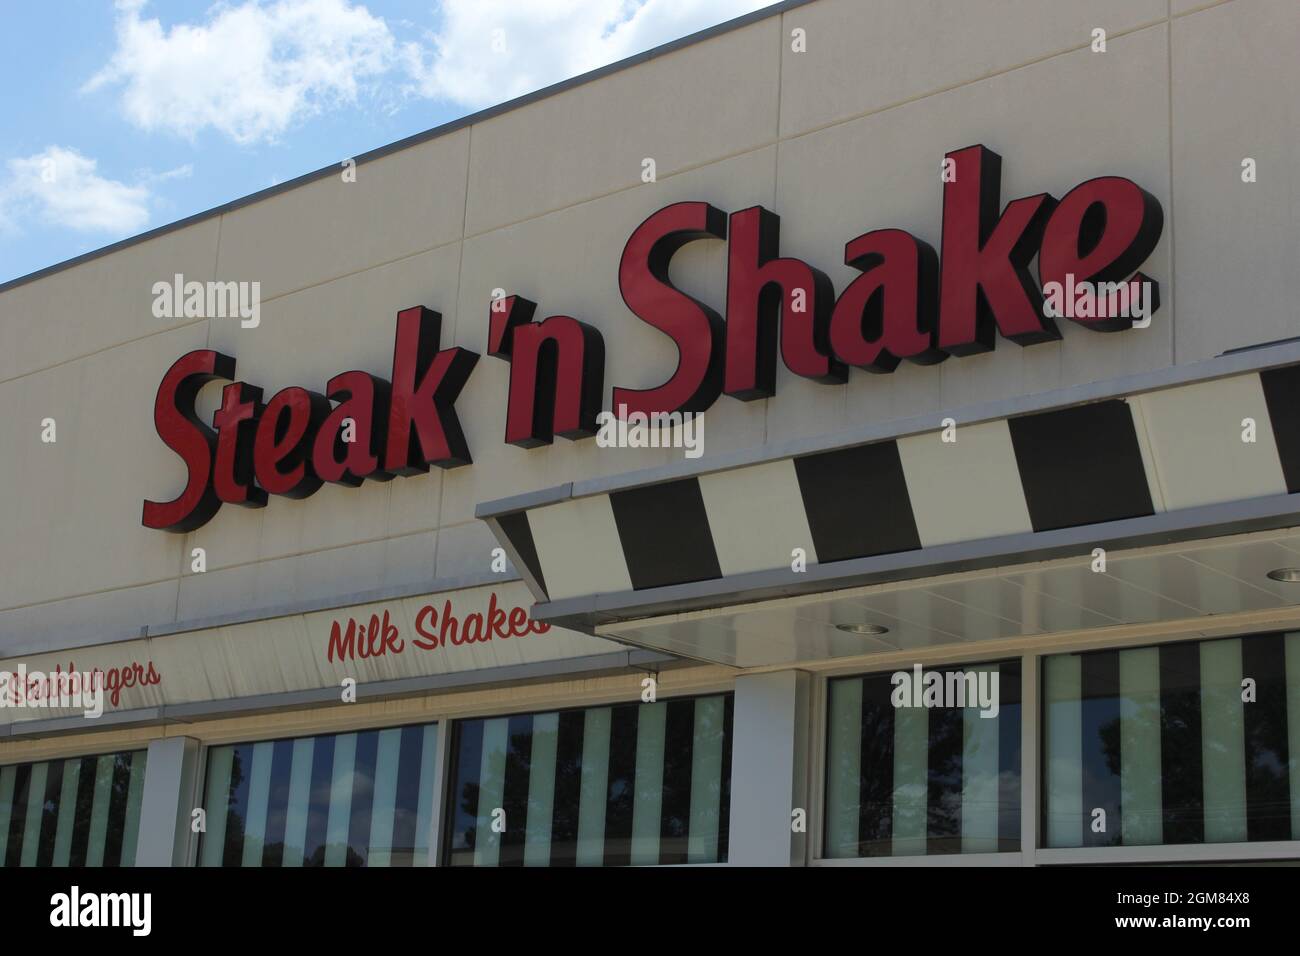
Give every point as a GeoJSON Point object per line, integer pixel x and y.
{"type": "Point", "coordinates": [769, 768]}
{"type": "Point", "coordinates": [442, 773]}
{"type": "Point", "coordinates": [1030, 730]}
{"type": "Point", "coordinates": [170, 795]}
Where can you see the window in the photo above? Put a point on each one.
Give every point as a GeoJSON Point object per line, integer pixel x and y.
{"type": "Point", "coordinates": [357, 799]}
{"type": "Point", "coordinates": [1182, 743]}
{"type": "Point", "coordinates": [632, 784]}
{"type": "Point", "coordinates": [924, 762]}
{"type": "Point", "coordinates": [84, 811]}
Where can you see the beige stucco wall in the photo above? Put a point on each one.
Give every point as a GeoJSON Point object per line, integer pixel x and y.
{"type": "Point", "coordinates": [843, 138]}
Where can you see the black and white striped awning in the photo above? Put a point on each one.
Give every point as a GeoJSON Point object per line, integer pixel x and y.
{"type": "Point", "coordinates": [1171, 462]}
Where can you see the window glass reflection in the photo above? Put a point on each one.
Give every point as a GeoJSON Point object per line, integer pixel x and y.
{"type": "Point", "coordinates": [83, 811]}
{"type": "Point", "coordinates": [1181, 743]}
{"type": "Point", "coordinates": [633, 784]}
{"type": "Point", "coordinates": [356, 799]}
{"type": "Point", "coordinates": [910, 776]}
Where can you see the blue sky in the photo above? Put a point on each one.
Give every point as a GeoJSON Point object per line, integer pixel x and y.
{"type": "Point", "coordinates": [116, 118]}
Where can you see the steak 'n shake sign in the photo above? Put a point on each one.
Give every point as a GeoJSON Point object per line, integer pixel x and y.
{"type": "Point", "coordinates": [908, 303]}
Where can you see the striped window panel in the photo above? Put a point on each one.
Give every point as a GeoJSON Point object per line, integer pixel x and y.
{"type": "Point", "coordinates": [916, 780]}
{"type": "Point", "coordinates": [1155, 745]}
{"type": "Point", "coordinates": [356, 799]}
{"type": "Point", "coordinates": [84, 811]}
{"type": "Point", "coordinates": [633, 784]}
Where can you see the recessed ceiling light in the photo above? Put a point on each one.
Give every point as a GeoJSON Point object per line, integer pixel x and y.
{"type": "Point", "coordinates": [870, 630]}
{"type": "Point", "coordinates": [1285, 575]}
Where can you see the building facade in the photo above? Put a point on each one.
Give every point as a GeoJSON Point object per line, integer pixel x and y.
{"type": "Point", "coordinates": [983, 546]}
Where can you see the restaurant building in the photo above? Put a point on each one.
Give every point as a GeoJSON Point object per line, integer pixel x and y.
{"type": "Point", "coordinates": [983, 547]}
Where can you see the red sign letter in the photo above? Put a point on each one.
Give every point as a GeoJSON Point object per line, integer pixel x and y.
{"type": "Point", "coordinates": [1102, 230]}
{"type": "Point", "coordinates": [423, 429]}
{"type": "Point", "coordinates": [695, 328]}
{"type": "Point", "coordinates": [759, 286]}
{"type": "Point", "coordinates": [364, 399]}
{"type": "Point", "coordinates": [236, 423]}
{"type": "Point", "coordinates": [888, 313]}
{"type": "Point", "coordinates": [179, 427]}
{"type": "Point", "coordinates": [282, 445]}
{"type": "Point", "coordinates": [984, 276]}
{"type": "Point", "coordinates": [557, 373]}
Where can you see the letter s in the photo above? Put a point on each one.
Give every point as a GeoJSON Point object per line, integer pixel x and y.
{"type": "Point", "coordinates": [428, 639]}
{"type": "Point", "coordinates": [179, 427]}
{"type": "Point", "coordinates": [697, 330]}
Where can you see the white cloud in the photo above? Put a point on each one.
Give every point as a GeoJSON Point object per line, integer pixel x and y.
{"type": "Point", "coordinates": [60, 187]}
{"type": "Point", "coordinates": [179, 172]}
{"type": "Point", "coordinates": [488, 51]}
{"type": "Point", "coordinates": [250, 70]}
